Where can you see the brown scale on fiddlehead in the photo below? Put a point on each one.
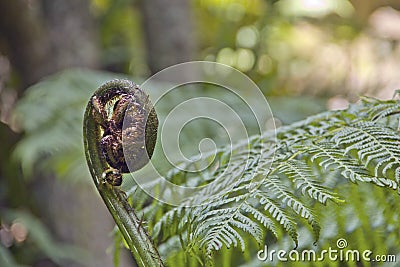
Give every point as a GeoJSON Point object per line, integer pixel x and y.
{"type": "Point", "coordinates": [130, 119]}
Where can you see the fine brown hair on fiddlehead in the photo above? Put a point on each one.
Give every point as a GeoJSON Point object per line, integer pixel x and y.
{"type": "Point", "coordinates": [124, 116]}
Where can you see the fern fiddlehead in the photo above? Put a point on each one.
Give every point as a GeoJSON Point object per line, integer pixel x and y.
{"type": "Point", "coordinates": [112, 104]}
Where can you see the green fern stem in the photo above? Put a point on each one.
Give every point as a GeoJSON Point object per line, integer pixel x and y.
{"type": "Point", "coordinates": [138, 240]}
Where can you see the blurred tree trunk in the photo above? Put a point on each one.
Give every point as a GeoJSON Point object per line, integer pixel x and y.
{"type": "Point", "coordinates": [71, 34]}
{"type": "Point", "coordinates": [21, 44]}
{"type": "Point", "coordinates": [169, 32]}
{"type": "Point", "coordinates": [40, 38]}
{"type": "Point", "coordinates": [22, 40]}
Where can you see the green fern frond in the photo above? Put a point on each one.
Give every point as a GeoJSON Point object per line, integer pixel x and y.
{"type": "Point", "coordinates": [282, 193]}
{"type": "Point", "coordinates": [303, 178]}
{"type": "Point", "coordinates": [257, 193]}
{"type": "Point", "coordinates": [264, 219]}
{"type": "Point", "coordinates": [221, 227]}
{"type": "Point", "coordinates": [278, 213]}
{"type": "Point", "coordinates": [379, 109]}
{"type": "Point", "coordinates": [375, 145]}
{"type": "Point", "coordinates": [331, 158]}
{"type": "Point", "coordinates": [312, 127]}
{"type": "Point", "coordinates": [169, 221]}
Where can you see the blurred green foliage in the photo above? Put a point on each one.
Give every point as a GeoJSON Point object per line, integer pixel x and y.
{"type": "Point", "coordinates": [286, 47]}
{"type": "Point", "coordinates": [39, 237]}
{"type": "Point", "coordinates": [51, 115]}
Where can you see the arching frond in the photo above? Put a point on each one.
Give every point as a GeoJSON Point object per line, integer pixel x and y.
{"type": "Point", "coordinates": [264, 193]}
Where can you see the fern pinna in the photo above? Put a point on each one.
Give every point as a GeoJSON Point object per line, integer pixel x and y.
{"type": "Point", "coordinates": [277, 194]}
